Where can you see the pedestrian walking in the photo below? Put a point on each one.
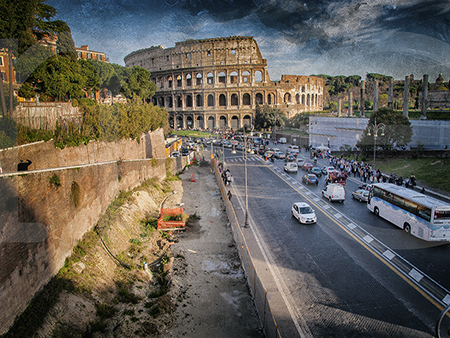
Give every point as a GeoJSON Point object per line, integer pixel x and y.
{"type": "Point", "coordinates": [229, 195]}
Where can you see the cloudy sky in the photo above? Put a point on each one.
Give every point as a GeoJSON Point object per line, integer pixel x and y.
{"type": "Point", "coordinates": [346, 37]}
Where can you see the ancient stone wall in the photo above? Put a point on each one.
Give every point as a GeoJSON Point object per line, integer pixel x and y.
{"type": "Point", "coordinates": [44, 155]}
{"type": "Point", "coordinates": [44, 115]}
{"type": "Point", "coordinates": [44, 213]}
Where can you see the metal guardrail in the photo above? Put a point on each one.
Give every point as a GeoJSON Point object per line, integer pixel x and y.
{"type": "Point", "coordinates": [257, 290]}
{"type": "Point", "coordinates": [439, 325]}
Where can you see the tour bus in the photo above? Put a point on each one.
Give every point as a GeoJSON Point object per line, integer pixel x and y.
{"type": "Point", "coordinates": [420, 215]}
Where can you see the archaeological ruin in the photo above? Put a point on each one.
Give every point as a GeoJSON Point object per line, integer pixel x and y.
{"type": "Point", "coordinates": [216, 83]}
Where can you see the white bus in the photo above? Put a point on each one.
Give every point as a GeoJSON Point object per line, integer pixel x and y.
{"type": "Point", "coordinates": [423, 216]}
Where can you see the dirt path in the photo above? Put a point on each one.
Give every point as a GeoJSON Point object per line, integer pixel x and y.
{"type": "Point", "coordinates": [215, 300]}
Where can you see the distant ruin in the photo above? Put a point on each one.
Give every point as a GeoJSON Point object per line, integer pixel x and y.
{"type": "Point", "coordinates": [216, 83]}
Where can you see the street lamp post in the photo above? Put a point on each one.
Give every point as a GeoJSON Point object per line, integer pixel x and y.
{"type": "Point", "coordinates": [245, 178]}
{"type": "Point", "coordinates": [374, 129]}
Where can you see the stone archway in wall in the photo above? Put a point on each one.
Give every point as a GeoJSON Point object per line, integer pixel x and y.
{"type": "Point", "coordinates": [247, 120]}
{"type": "Point", "coordinates": [259, 98]}
{"type": "Point", "coordinates": [200, 122]}
{"type": "Point", "coordinates": [171, 120]}
{"type": "Point", "coordinates": [189, 122]}
{"type": "Point", "coordinates": [223, 122]}
{"type": "Point", "coordinates": [234, 122]}
{"type": "Point", "coordinates": [179, 120]}
{"type": "Point", "coordinates": [211, 122]}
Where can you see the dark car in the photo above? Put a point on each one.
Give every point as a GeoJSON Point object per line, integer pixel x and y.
{"type": "Point", "coordinates": [290, 158]}
{"type": "Point", "coordinates": [184, 151]}
{"type": "Point", "coordinates": [310, 179]}
{"type": "Point", "coordinates": [316, 171]}
{"type": "Point", "coordinates": [307, 166]}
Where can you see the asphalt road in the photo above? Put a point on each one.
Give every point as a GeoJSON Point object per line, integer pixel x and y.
{"type": "Point", "coordinates": [350, 275]}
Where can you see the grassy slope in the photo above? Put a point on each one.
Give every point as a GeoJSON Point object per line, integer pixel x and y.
{"type": "Point", "coordinates": [430, 172]}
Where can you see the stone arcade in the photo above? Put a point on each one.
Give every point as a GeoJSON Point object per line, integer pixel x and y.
{"type": "Point", "coordinates": [216, 83]}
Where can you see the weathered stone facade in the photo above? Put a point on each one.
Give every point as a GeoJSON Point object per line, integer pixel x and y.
{"type": "Point", "coordinates": [216, 83]}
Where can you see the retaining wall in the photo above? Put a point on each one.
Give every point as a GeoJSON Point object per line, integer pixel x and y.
{"type": "Point", "coordinates": [41, 222]}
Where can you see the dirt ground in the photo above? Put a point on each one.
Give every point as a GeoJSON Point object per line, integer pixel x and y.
{"type": "Point", "coordinates": [193, 286]}
{"type": "Point", "coordinates": [216, 300]}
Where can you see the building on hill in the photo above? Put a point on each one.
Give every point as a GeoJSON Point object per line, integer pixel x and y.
{"type": "Point", "coordinates": [216, 83]}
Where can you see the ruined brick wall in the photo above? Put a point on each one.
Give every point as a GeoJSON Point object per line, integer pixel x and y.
{"type": "Point", "coordinates": [40, 222]}
{"type": "Point", "coordinates": [44, 155]}
{"type": "Point", "coordinates": [44, 115]}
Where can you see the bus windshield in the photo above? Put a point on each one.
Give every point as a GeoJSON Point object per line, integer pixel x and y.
{"type": "Point", "coordinates": [442, 214]}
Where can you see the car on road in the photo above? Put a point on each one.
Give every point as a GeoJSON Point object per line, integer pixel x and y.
{"type": "Point", "coordinates": [334, 192]}
{"type": "Point", "coordinates": [361, 195]}
{"type": "Point", "coordinates": [307, 166]}
{"type": "Point", "coordinates": [291, 167]}
{"type": "Point", "coordinates": [293, 148]}
{"type": "Point", "coordinates": [239, 147]}
{"type": "Point", "coordinates": [316, 171]}
{"type": "Point", "coordinates": [175, 154]}
{"type": "Point", "coordinates": [279, 155]}
{"type": "Point", "coordinates": [327, 169]}
{"type": "Point", "coordinates": [185, 151]}
{"type": "Point", "coordinates": [303, 213]}
{"type": "Point", "coordinates": [290, 158]}
{"type": "Point", "coordinates": [300, 161]}
{"type": "Point", "coordinates": [310, 179]}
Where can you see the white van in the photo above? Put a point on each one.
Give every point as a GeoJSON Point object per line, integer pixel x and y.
{"type": "Point", "coordinates": [293, 148]}
{"type": "Point", "coordinates": [334, 192]}
{"type": "Point", "coordinates": [283, 140]}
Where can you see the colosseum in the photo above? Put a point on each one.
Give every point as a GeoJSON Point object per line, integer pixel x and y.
{"type": "Point", "coordinates": [216, 83]}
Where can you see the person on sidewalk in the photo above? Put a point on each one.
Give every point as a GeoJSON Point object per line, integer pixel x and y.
{"type": "Point", "coordinates": [229, 195]}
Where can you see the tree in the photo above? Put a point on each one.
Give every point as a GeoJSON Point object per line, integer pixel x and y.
{"type": "Point", "coordinates": [139, 84]}
{"type": "Point", "coordinates": [22, 22]}
{"type": "Point", "coordinates": [397, 133]}
{"type": "Point", "coordinates": [268, 117]}
{"type": "Point", "coordinates": [59, 77]}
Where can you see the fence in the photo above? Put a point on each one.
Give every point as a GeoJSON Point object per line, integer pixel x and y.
{"type": "Point", "coordinates": [262, 303]}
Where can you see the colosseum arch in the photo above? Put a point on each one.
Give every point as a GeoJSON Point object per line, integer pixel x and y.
{"type": "Point", "coordinates": [234, 99]}
{"type": "Point", "coordinates": [169, 102]}
{"type": "Point", "coordinates": [246, 76]}
{"type": "Point", "coordinates": [234, 122]}
{"type": "Point", "coordinates": [259, 98]}
{"type": "Point", "coordinates": [188, 100]}
{"type": "Point", "coordinates": [222, 77]}
{"type": "Point", "coordinates": [297, 98]}
{"type": "Point", "coordinates": [287, 98]}
{"type": "Point", "coordinates": [179, 102]}
{"type": "Point", "coordinates": [234, 77]}
{"type": "Point", "coordinates": [188, 79]}
{"type": "Point", "coordinates": [210, 100]}
{"type": "Point", "coordinates": [210, 78]}
{"type": "Point", "coordinates": [211, 122]}
{"type": "Point", "coordinates": [258, 76]}
{"type": "Point", "coordinates": [199, 78]}
{"type": "Point", "coordinates": [161, 102]}
{"type": "Point", "coordinates": [199, 100]}
{"type": "Point", "coordinates": [200, 122]}
{"type": "Point", "coordinates": [308, 100]}
{"type": "Point", "coordinates": [154, 101]}
{"type": "Point", "coordinates": [189, 121]}
{"type": "Point", "coordinates": [247, 121]}
{"type": "Point", "coordinates": [179, 81]}
{"type": "Point", "coordinates": [246, 99]}
{"type": "Point", "coordinates": [170, 82]}
{"type": "Point", "coordinates": [303, 99]}
{"type": "Point", "coordinates": [222, 100]}
{"type": "Point", "coordinates": [222, 122]}
{"type": "Point", "coordinates": [270, 99]}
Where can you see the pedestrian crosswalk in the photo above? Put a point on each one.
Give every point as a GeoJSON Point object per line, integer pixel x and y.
{"type": "Point", "coordinates": [240, 159]}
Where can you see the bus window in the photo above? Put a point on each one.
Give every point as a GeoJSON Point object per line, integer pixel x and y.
{"type": "Point", "coordinates": [440, 214]}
